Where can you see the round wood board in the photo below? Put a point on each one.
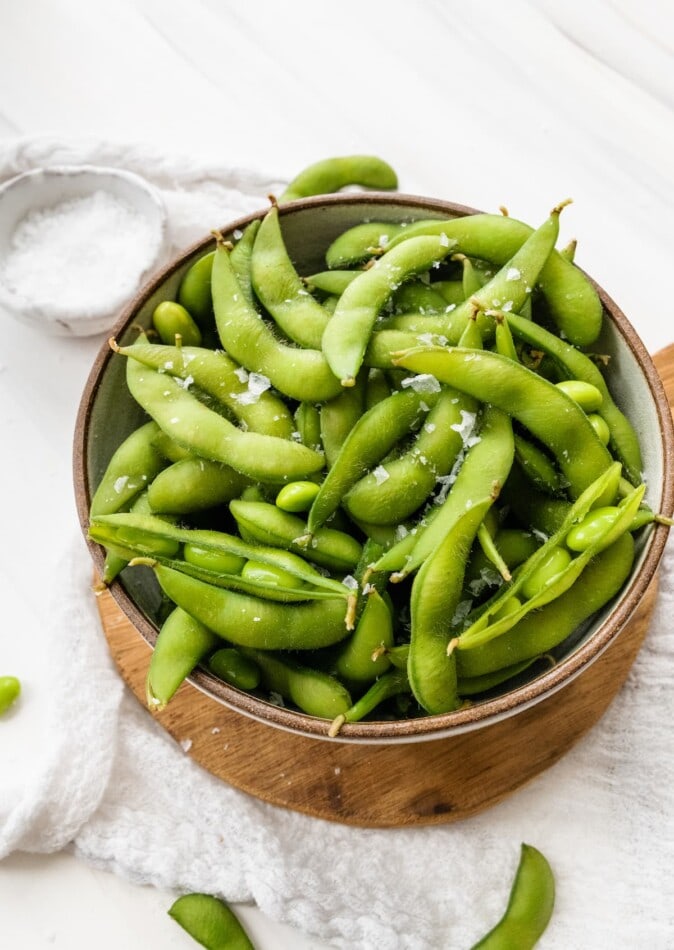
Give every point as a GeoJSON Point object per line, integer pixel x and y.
{"type": "Point", "coordinates": [386, 786]}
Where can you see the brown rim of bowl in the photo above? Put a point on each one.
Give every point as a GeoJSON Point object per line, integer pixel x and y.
{"type": "Point", "coordinates": [426, 727]}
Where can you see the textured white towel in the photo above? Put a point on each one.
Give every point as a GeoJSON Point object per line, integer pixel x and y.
{"type": "Point", "coordinates": [124, 795]}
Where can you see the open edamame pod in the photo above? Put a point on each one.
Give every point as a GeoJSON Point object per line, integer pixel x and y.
{"type": "Point", "coordinates": [181, 644]}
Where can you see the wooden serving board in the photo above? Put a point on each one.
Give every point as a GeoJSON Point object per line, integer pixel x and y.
{"type": "Point", "coordinates": [395, 785]}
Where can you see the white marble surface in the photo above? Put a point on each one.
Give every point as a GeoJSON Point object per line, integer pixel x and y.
{"type": "Point", "coordinates": [485, 103]}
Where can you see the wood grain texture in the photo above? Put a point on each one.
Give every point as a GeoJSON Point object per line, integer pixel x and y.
{"type": "Point", "coordinates": [395, 785]}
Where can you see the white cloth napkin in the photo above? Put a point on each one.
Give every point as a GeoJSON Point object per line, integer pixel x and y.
{"type": "Point", "coordinates": [120, 792]}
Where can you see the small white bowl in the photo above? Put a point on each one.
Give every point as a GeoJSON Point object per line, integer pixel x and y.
{"type": "Point", "coordinates": [45, 188]}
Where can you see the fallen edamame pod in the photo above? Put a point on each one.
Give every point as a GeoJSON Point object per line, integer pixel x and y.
{"type": "Point", "coordinates": [210, 922]}
{"type": "Point", "coordinates": [332, 174]}
{"type": "Point", "coordinates": [181, 644]}
{"type": "Point", "coordinates": [530, 906]}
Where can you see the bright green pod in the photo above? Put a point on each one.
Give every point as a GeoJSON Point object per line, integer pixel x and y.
{"type": "Point", "coordinates": [308, 424]}
{"type": "Point", "coordinates": [247, 396]}
{"type": "Point", "coordinates": [181, 644]}
{"type": "Point", "coordinates": [233, 667]}
{"type": "Point", "coordinates": [355, 661]}
{"type": "Point", "coordinates": [250, 621]}
{"type": "Point", "coordinates": [332, 174]}
{"type": "Point", "coordinates": [436, 592]}
{"type": "Point", "coordinates": [475, 685]}
{"type": "Point", "coordinates": [542, 630]}
{"type": "Point", "coordinates": [339, 416]}
{"type": "Point", "coordinates": [348, 331]}
{"type": "Point", "coordinates": [332, 282]}
{"type": "Point", "coordinates": [241, 257]}
{"type": "Point", "coordinates": [571, 299]}
{"type": "Point", "coordinates": [194, 292]}
{"type": "Point", "coordinates": [194, 484]}
{"type": "Point", "coordinates": [530, 905]}
{"type": "Point", "coordinates": [172, 320]}
{"type": "Point", "coordinates": [314, 692]}
{"type": "Point", "coordinates": [210, 922]}
{"type": "Point", "coordinates": [417, 297]}
{"type": "Point", "coordinates": [207, 434]}
{"type": "Point", "coordinates": [132, 467]}
{"type": "Point", "coordinates": [147, 545]}
{"type": "Point", "coordinates": [537, 466]}
{"type": "Point", "coordinates": [451, 290]}
{"type": "Point", "coordinates": [549, 414]}
{"type": "Point", "coordinates": [269, 525]}
{"type": "Point", "coordinates": [579, 366]}
{"type": "Point", "coordinates": [359, 243]}
{"type": "Point", "coordinates": [301, 374]}
{"type": "Point", "coordinates": [376, 388]}
{"type": "Point", "coordinates": [280, 289]}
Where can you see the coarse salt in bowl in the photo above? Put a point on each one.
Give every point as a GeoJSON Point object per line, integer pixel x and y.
{"type": "Point", "coordinates": [76, 243]}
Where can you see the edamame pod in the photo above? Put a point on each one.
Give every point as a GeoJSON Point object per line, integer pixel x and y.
{"type": "Point", "coordinates": [181, 643]}
{"type": "Point", "coordinates": [194, 292]}
{"type": "Point", "coordinates": [269, 525]}
{"type": "Point", "coordinates": [360, 242]}
{"type": "Point", "coordinates": [557, 421]}
{"type": "Point", "coordinates": [332, 174]}
{"type": "Point", "coordinates": [280, 289]}
{"type": "Point", "coordinates": [249, 621]}
{"type": "Point", "coordinates": [130, 470]}
{"type": "Point", "coordinates": [573, 303]}
{"type": "Point", "coordinates": [194, 484]}
{"type": "Point", "coordinates": [247, 396]}
{"type": "Point", "coordinates": [314, 692]}
{"type": "Point", "coordinates": [210, 922]}
{"type": "Point", "coordinates": [355, 661]}
{"type": "Point", "coordinates": [205, 433]}
{"type": "Point", "coordinates": [299, 373]}
{"type": "Point", "coordinates": [346, 335]}
{"type": "Point", "coordinates": [543, 630]}
{"type": "Point", "coordinates": [530, 905]}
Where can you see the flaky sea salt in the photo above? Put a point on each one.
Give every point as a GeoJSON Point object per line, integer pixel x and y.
{"type": "Point", "coordinates": [80, 254]}
{"type": "Point", "coordinates": [513, 273]}
{"type": "Point", "coordinates": [257, 384]}
{"type": "Point", "coordinates": [380, 475]}
{"type": "Point", "coordinates": [422, 383]}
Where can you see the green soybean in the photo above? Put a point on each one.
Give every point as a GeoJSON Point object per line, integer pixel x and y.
{"type": "Point", "coordinates": [10, 689]}
{"type": "Point", "coordinates": [233, 667]}
{"type": "Point", "coordinates": [172, 320]}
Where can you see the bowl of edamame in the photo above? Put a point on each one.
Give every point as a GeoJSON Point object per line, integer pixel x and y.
{"type": "Point", "coordinates": [365, 466]}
